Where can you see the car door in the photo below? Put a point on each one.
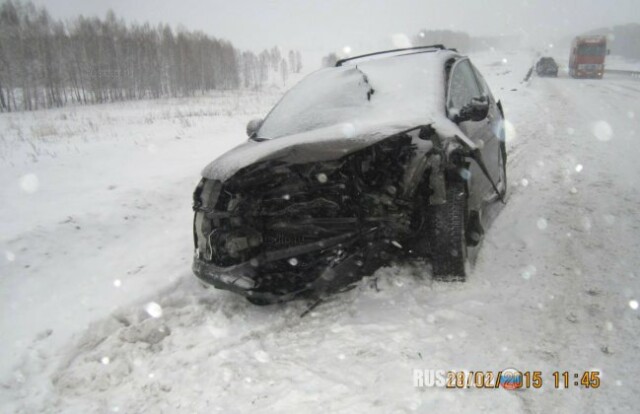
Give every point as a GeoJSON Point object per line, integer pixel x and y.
{"type": "Point", "coordinates": [494, 134]}
{"type": "Point", "coordinates": [463, 86]}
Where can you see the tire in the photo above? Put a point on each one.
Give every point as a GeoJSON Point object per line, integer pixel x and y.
{"type": "Point", "coordinates": [447, 235]}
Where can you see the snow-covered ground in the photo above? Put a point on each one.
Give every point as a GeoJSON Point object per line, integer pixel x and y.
{"type": "Point", "coordinates": [100, 312]}
{"type": "Point", "coordinates": [621, 63]}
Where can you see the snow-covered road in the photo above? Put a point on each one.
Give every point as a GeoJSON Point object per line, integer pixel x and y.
{"type": "Point", "coordinates": [553, 289]}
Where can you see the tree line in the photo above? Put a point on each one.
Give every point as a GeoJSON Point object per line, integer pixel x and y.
{"type": "Point", "coordinates": [624, 40]}
{"type": "Point", "coordinates": [48, 63]}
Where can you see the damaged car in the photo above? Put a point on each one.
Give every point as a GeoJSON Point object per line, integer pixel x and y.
{"type": "Point", "coordinates": [395, 153]}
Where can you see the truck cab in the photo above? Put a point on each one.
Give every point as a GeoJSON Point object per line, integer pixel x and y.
{"type": "Point", "coordinates": [587, 57]}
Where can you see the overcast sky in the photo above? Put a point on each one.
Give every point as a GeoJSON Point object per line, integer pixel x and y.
{"type": "Point", "coordinates": [330, 25]}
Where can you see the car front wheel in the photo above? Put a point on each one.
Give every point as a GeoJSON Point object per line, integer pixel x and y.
{"type": "Point", "coordinates": [447, 235]}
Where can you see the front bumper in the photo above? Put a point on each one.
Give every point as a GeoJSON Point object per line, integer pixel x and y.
{"type": "Point", "coordinates": [548, 72]}
{"type": "Point", "coordinates": [588, 75]}
{"type": "Point", "coordinates": [238, 279]}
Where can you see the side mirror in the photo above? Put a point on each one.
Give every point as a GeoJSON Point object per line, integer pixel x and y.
{"type": "Point", "coordinates": [253, 126]}
{"type": "Point", "coordinates": [476, 110]}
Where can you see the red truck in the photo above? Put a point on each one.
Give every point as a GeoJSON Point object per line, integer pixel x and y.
{"type": "Point", "coordinates": [587, 56]}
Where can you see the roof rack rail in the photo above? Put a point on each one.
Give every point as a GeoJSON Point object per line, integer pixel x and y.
{"type": "Point", "coordinates": [438, 46]}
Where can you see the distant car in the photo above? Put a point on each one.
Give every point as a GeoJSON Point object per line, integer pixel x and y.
{"type": "Point", "coordinates": [393, 153]}
{"type": "Point", "coordinates": [546, 66]}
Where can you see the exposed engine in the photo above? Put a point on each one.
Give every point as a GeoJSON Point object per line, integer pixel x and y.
{"type": "Point", "coordinates": [297, 224]}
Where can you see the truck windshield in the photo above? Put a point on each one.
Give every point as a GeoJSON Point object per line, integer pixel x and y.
{"type": "Point", "coordinates": [592, 50]}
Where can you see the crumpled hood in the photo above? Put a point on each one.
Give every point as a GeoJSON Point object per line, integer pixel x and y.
{"type": "Point", "coordinates": [311, 146]}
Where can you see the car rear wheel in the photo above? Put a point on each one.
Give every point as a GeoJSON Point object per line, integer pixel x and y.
{"type": "Point", "coordinates": [447, 235]}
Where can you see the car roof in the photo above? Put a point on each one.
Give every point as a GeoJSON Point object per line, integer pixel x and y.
{"type": "Point", "coordinates": [386, 53]}
{"type": "Point", "coordinates": [436, 54]}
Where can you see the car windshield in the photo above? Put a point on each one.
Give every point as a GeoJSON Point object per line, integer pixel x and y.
{"type": "Point", "coordinates": [325, 98]}
{"type": "Point", "coordinates": [372, 92]}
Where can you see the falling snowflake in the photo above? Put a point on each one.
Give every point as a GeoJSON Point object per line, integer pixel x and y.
{"type": "Point", "coordinates": [573, 190]}
{"type": "Point", "coordinates": [541, 223]}
{"type": "Point", "coordinates": [348, 130]}
{"type": "Point", "coordinates": [602, 130]}
{"type": "Point", "coordinates": [261, 356]}
{"type": "Point", "coordinates": [578, 167]}
{"type": "Point", "coordinates": [346, 50]}
{"type": "Point", "coordinates": [550, 129]}
{"type": "Point", "coordinates": [322, 178]}
{"type": "Point", "coordinates": [153, 309]}
{"type": "Point", "coordinates": [633, 304]}
{"type": "Point", "coordinates": [286, 197]}
{"type": "Point", "coordinates": [395, 243]}
{"type": "Point", "coordinates": [524, 182]}
{"type": "Point", "coordinates": [10, 256]}
{"type": "Point", "coordinates": [528, 271]}
{"type": "Point", "coordinates": [293, 261]}
{"type": "Point", "coordinates": [117, 283]}
{"type": "Point", "coordinates": [401, 40]}
{"type": "Point", "coordinates": [105, 360]}
{"type": "Point", "coordinates": [504, 61]}
{"type": "Point", "coordinates": [29, 183]}
{"type": "Point", "coordinates": [509, 131]}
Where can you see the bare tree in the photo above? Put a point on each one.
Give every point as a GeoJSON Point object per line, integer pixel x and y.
{"type": "Point", "coordinates": [329, 60]}
{"type": "Point", "coordinates": [46, 63]}
{"type": "Point", "coordinates": [298, 62]}
{"type": "Point", "coordinates": [284, 71]}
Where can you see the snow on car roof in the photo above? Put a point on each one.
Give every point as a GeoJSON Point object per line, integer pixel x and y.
{"type": "Point", "coordinates": [331, 106]}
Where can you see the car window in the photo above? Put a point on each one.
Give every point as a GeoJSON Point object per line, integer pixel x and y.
{"type": "Point", "coordinates": [482, 83]}
{"type": "Point", "coordinates": [462, 86]}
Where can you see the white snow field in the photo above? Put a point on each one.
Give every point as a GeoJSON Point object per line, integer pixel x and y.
{"type": "Point", "coordinates": [100, 312]}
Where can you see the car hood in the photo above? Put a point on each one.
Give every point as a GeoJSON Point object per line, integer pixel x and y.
{"type": "Point", "coordinates": [318, 145]}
